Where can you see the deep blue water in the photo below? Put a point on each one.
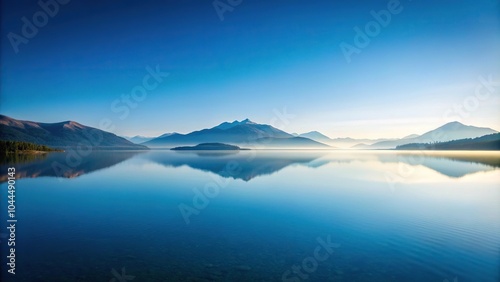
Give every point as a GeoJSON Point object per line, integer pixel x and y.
{"type": "Point", "coordinates": [385, 217]}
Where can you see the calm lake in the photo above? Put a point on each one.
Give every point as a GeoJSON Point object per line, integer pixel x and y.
{"type": "Point", "coordinates": [256, 216]}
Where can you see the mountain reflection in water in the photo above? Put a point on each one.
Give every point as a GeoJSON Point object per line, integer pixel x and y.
{"type": "Point", "coordinates": [247, 165]}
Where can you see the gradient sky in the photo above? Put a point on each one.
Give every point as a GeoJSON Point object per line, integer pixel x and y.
{"type": "Point", "coordinates": [263, 57]}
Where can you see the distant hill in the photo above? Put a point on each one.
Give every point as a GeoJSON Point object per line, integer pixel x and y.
{"type": "Point", "coordinates": [344, 143]}
{"type": "Point", "coordinates": [245, 133]}
{"type": "Point", "coordinates": [347, 142]}
{"type": "Point", "coordinates": [456, 130]}
{"type": "Point", "coordinates": [411, 136]}
{"type": "Point", "coordinates": [294, 142]}
{"type": "Point", "coordinates": [488, 142]}
{"type": "Point", "coordinates": [448, 132]}
{"type": "Point", "coordinates": [316, 136]}
{"type": "Point", "coordinates": [61, 135]}
{"type": "Point", "coordinates": [208, 147]}
{"type": "Point", "coordinates": [361, 146]}
{"type": "Point", "coordinates": [138, 139]}
{"type": "Point", "coordinates": [165, 135]}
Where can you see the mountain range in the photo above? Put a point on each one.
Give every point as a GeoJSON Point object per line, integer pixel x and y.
{"type": "Point", "coordinates": [245, 133]}
{"type": "Point", "coordinates": [487, 142]}
{"type": "Point", "coordinates": [342, 143]}
{"type": "Point", "coordinates": [448, 132]}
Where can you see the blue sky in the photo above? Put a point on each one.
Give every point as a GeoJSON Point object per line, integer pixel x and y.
{"type": "Point", "coordinates": [264, 56]}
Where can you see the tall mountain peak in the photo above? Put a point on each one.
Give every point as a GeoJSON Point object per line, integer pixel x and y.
{"type": "Point", "coordinates": [227, 125]}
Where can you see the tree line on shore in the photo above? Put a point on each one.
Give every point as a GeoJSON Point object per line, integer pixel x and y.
{"type": "Point", "coordinates": [19, 146]}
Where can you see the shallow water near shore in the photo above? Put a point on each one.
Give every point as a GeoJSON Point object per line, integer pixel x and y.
{"type": "Point", "coordinates": [257, 216]}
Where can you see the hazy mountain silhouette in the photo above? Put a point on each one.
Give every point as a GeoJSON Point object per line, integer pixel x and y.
{"type": "Point", "coordinates": [245, 133]}
{"type": "Point", "coordinates": [448, 132]}
{"type": "Point", "coordinates": [56, 164]}
{"type": "Point", "coordinates": [61, 135]}
{"type": "Point", "coordinates": [138, 139]}
{"type": "Point", "coordinates": [316, 136]}
{"type": "Point", "coordinates": [411, 136]}
{"type": "Point", "coordinates": [344, 143]}
{"type": "Point", "coordinates": [348, 143]}
{"type": "Point", "coordinates": [488, 142]}
{"type": "Point", "coordinates": [361, 146]}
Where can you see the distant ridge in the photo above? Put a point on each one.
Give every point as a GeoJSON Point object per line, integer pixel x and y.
{"type": "Point", "coordinates": [316, 136]}
{"type": "Point", "coordinates": [411, 136]}
{"type": "Point", "coordinates": [488, 142]}
{"type": "Point", "coordinates": [448, 132]}
{"type": "Point", "coordinates": [344, 143]}
{"type": "Point", "coordinates": [138, 139]}
{"type": "Point", "coordinates": [245, 133]}
{"type": "Point", "coordinates": [360, 146]}
{"type": "Point", "coordinates": [61, 135]}
{"type": "Point", "coordinates": [347, 142]}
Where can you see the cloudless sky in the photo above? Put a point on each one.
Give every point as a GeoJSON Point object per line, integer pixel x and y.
{"type": "Point", "coordinates": [264, 57]}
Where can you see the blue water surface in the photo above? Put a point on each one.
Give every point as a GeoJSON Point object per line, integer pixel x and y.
{"type": "Point", "coordinates": [257, 216]}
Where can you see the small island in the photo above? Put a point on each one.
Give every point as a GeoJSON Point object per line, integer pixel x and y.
{"type": "Point", "coordinates": [209, 147]}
